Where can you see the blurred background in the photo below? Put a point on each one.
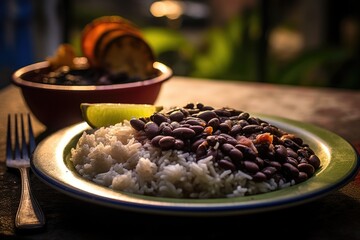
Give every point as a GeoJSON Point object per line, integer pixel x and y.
{"type": "Point", "coordinates": [295, 42]}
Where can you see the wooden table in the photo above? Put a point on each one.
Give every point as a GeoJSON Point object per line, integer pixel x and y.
{"type": "Point", "coordinates": [335, 216]}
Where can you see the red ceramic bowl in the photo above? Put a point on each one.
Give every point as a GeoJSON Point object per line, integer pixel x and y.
{"type": "Point", "coordinates": [57, 106]}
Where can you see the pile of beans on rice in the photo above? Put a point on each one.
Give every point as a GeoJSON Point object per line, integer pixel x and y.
{"type": "Point", "coordinates": [195, 151]}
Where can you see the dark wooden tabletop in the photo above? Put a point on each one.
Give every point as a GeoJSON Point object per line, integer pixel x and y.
{"type": "Point", "coordinates": [334, 216]}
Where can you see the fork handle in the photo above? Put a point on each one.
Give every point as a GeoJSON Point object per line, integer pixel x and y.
{"type": "Point", "coordinates": [29, 214]}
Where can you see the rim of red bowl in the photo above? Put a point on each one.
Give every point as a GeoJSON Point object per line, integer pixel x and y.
{"type": "Point", "coordinates": [165, 74]}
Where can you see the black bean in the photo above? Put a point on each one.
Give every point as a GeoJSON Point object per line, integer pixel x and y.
{"type": "Point", "coordinates": [221, 139]}
{"type": "Point", "coordinates": [193, 112]}
{"type": "Point", "coordinates": [280, 153]}
{"type": "Point", "coordinates": [307, 168]}
{"type": "Point", "coordinates": [224, 127]}
{"type": "Point", "coordinates": [166, 130]}
{"type": "Point", "coordinates": [199, 106]}
{"type": "Point", "coordinates": [291, 170]}
{"type": "Point", "coordinates": [167, 142]}
{"type": "Point", "coordinates": [155, 140]}
{"type": "Point", "coordinates": [183, 132]}
{"type": "Point", "coordinates": [177, 116]}
{"type": "Point", "coordinates": [309, 150]}
{"type": "Point", "coordinates": [291, 144]}
{"type": "Point", "coordinates": [207, 115]}
{"type": "Point", "coordinates": [158, 118]}
{"type": "Point", "coordinates": [214, 123]}
{"type": "Point", "coordinates": [247, 151]}
{"type": "Point", "coordinates": [263, 123]}
{"type": "Point", "coordinates": [260, 162]}
{"type": "Point", "coordinates": [196, 144]}
{"type": "Point", "coordinates": [196, 121]}
{"type": "Point", "coordinates": [207, 108]}
{"type": "Point", "coordinates": [179, 144]}
{"type": "Point", "coordinates": [189, 105]}
{"type": "Point", "coordinates": [292, 153]}
{"type": "Point", "coordinates": [243, 123]}
{"type": "Point", "coordinates": [252, 128]}
{"type": "Point", "coordinates": [268, 129]}
{"type": "Point", "coordinates": [244, 115]}
{"type": "Point", "coordinates": [228, 138]}
{"type": "Point", "coordinates": [137, 124]}
{"type": "Point", "coordinates": [184, 125]}
{"type": "Point", "coordinates": [226, 147]}
{"type": "Point", "coordinates": [234, 112]}
{"type": "Point", "coordinates": [222, 113]}
{"type": "Point", "coordinates": [197, 129]}
{"type": "Point", "coordinates": [253, 120]}
{"type": "Point", "coordinates": [269, 171]}
{"type": "Point", "coordinates": [259, 177]}
{"type": "Point", "coordinates": [315, 161]}
{"type": "Point", "coordinates": [275, 164]}
{"type": "Point", "coordinates": [165, 124]}
{"type": "Point", "coordinates": [298, 140]}
{"type": "Point", "coordinates": [303, 153]}
{"type": "Point", "coordinates": [250, 166]}
{"type": "Point", "coordinates": [151, 129]}
{"type": "Point", "coordinates": [174, 125]}
{"type": "Point", "coordinates": [226, 164]}
{"type": "Point", "coordinates": [292, 161]}
{"type": "Point", "coordinates": [235, 129]}
{"type": "Point", "coordinates": [302, 177]}
{"type": "Point", "coordinates": [235, 154]}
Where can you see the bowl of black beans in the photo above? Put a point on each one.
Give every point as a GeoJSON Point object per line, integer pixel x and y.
{"type": "Point", "coordinates": [54, 95]}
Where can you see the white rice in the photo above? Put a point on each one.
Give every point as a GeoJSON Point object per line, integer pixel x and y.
{"type": "Point", "coordinates": [112, 157]}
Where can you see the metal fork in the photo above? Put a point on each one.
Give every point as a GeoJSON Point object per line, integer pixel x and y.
{"type": "Point", "coordinates": [29, 214]}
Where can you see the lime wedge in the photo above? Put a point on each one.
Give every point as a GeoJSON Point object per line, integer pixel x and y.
{"type": "Point", "coordinates": [104, 114]}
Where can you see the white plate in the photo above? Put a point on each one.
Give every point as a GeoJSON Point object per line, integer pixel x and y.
{"type": "Point", "coordinates": [339, 161]}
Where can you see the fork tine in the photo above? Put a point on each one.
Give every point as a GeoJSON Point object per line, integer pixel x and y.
{"type": "Point", "coordinates": [24, 146]}
{"type": "Point", "coordinates": [9, 153]}
{"type": "Point", "coordinates": [32, 143]}
{"type": "Point", "coordinates": [17, 154]}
